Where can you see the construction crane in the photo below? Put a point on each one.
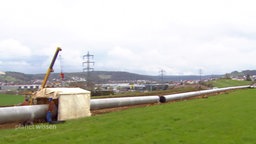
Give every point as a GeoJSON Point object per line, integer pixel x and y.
{"type": "Point", "coordinates": [50, 69]}
{"type": "Point", "coordinates": [33, 99]}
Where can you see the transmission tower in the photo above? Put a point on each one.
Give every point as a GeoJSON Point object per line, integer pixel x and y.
{"type": "Point", "coordinates": [162, 75]}
{"type": "Point", "coordinates": [200, 74]}
{"type": "Point", "coordinates": [87, 66]}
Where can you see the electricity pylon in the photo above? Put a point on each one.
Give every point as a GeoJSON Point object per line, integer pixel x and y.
{"type": "Point", "coordinates": [87, 64]}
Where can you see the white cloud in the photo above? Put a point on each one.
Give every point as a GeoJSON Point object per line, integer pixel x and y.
{"type": "Point", "coordinates": [13, 49]}
{"type": "Point", "coordinates": [141, 36]}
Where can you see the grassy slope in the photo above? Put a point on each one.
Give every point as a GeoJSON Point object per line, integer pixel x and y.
{"type": "Point", "coordinates": [220, 83]}
{"type": "Point", "coordinates": [7, 99]}
{"type": "Point", "coordinates": [227, 118]}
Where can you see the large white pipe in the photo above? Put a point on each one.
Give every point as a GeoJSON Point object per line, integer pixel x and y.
{"type": "Point", "coordinates": [171, 97]}
{"type": "Point", "coordinates": [22, 113]}
{"type": "Point", "coordinates": [125, 101]}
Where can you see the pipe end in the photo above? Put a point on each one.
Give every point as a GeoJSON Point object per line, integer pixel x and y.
{"type": "Point", "coordinates": [162, 99]}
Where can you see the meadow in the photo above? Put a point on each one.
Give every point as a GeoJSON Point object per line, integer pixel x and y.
{"type": "Point", "coordinates": [9, 99]}
{"type": "Point", "coordinates": [227, 118]}
{"type": "Point", "coordinates": [221, 83]}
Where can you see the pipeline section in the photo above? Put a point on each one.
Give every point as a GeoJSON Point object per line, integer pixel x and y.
{"type": "Point", "coordinates": [125, 101]}
{"type": "Point", "coordinates": [172, 97]}
{"type": "Point", "coordinates": [22, 113]}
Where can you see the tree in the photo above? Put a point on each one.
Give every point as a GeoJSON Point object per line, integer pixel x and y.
{"type": "Point", "coordinates": [248, 78]}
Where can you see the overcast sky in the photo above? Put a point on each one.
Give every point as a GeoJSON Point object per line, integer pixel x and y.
{"type": "Point", "coordinates": [139, 36]}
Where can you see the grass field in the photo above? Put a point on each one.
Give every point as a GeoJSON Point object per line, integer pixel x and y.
{"type": "Point", "coordinates": [227, 119]}
{"type": "Point", "coordinates": [7, 99]}
{"type": "Point", "coordinates": [220, 83]}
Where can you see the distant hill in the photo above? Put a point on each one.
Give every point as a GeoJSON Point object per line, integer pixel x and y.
{"type": "Point", "coordinates": [249, 72]}
{"type": "Point", "coordinates": [243, 73]}
{"type": "Point", "coordinates": [96, 76]}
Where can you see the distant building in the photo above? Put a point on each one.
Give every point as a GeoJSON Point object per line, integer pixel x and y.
{"type": "Point", "coordinates": [19, 87]}
{"type": "Point", "coordinates": [28, 87]}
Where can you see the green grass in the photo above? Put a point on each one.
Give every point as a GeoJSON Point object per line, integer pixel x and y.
{"type": "Point", "coordinates": [220, 83]}
{"type": "Point", "coordinates": [8, 99]}
{"type": "Point", "coordinates": [8, 78]}
{"type": "Point", "coordinates": [227, 119]}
